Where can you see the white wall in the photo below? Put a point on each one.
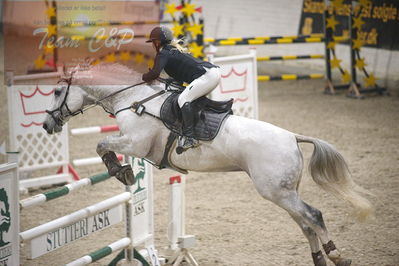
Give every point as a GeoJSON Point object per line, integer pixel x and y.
{"type": "Point", "coordinates": [246, 18]}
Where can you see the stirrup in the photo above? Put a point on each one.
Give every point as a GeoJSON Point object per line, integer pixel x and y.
{"type": "Point", "coordinates": [185, 143]}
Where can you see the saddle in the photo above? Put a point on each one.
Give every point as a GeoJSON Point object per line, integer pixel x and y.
{"type": "Point", "coordinates": [209, 116]}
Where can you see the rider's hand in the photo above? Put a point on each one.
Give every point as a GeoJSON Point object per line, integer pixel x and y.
{"type": "Point", "coordinates": [149, 77]}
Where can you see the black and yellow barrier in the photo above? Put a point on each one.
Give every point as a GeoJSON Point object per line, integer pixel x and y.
{"type": "Point", "coordinates": [290, 77]}
{"type": "Point", "coordinates": [271, 41]}
{"type": "Point", "coordinates": [266, 38]}
{"type": "Point", "coordinates": [290, 57]}
{"type": "Point", "coordinates": [314, 38]}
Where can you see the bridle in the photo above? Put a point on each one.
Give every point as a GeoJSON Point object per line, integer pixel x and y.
{"type": "Point", "coordinates": [60, 120]}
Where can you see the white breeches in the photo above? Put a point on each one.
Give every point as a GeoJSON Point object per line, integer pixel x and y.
{"type": "Point", "coordinates": [200, 86]}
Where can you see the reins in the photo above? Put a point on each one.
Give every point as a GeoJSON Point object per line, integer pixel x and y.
{"type": "Point", "coordinates": [137, 107]}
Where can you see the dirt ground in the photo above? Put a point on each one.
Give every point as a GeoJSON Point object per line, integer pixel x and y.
{"type": "Point", "coordinates": [232, 223]}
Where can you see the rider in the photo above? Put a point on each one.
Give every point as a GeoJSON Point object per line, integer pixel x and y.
{"type": "Point", "coordinates": [202, 77]}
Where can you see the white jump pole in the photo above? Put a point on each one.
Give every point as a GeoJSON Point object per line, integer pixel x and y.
{"type": "Point", "coordinates": [92, 160]}
{"type": "Point", "coordinates": [62, 191]}
{"type": "Point", "coordinates": [74, 217]}
{"type": "Point", "coordinates": [179, 242]}
{"type": "Point", "coordinates": [175, 224]}
{"type": "Point", "coordinates": [101, 253]}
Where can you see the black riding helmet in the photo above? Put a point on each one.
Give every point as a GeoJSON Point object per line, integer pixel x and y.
{"type": "Point", "coordinates": [163, 34]}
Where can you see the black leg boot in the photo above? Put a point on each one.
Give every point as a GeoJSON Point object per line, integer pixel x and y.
{"type": "Point", "coordinates": [123, 173]}
{"type": "Point", "coordinates": [111, 162]}
{"type": "Point", "coordinates": [188, 141]}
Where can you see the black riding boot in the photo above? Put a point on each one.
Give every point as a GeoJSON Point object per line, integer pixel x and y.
{"type": "Point", "coordinates": [188, 141]}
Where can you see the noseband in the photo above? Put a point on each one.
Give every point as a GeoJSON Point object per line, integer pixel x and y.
{"type": "Point", "coordinates": [60, 119]}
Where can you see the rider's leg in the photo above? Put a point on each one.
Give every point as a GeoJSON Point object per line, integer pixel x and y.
{"type": "Point", "coordinates": [200, 86]}
{"type": "Point", "coordinates": [197, 88]}
{"type": "Point", "coordinates": [188, 120]}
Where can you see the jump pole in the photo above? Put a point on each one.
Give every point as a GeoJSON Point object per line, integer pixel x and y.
{"type": "Point", "coordinates": [92, 160]}
{"type": "Point", "coordinates": [62, 191]}
{"type": "Point", "coordinates": [138, 202]}
{"type": "Point", "coordinates": [213, 40]}
{"type": "Point", "coordinates": [290, 77]}
{"type": "Point", "coordinates": [290, 57]}
{"type": "Point", "coordinates": [101, 253]}
{"type": "Point", "coordinates": [93, 130]}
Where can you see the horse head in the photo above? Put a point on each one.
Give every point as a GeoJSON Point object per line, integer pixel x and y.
{"type": "Point", "coordinates": [71, 98]}
{"type": "Point", "coordinates": [68, 100]}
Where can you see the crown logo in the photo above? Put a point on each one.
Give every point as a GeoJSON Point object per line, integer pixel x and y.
{"type": "Point", "coordinates": [236, 83]}
{"type": "Point", "coordinates": [32, 103]}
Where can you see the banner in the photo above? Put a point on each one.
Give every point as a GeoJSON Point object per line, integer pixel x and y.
{"type": "Point", "coordinates": [39, 35]}
{"type": "Point", "coordinates": [381, 21]}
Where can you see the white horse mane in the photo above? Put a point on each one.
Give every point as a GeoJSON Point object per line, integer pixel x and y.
{"type": "Point", "coordinates": [106, 74]}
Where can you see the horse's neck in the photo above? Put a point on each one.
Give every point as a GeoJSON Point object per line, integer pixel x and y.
{"type": "Point", "coordinates": [98, 92]}
{"type": "Point", "coordinates": [124, 98]}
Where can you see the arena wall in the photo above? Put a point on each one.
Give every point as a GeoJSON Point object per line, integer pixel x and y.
{"type": "Point", "coordinates": [237, 18]}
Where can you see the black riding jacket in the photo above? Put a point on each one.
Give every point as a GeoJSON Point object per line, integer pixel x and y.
{"type": "Point", "coordinates": [180, 66]}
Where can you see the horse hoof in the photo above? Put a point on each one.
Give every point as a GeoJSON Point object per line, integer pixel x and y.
{"type": "Point", "coordinates": [125, 175]}
{"type": "Point", "coordinates": [318, 259]}
{"type": "Point", "coordinates": [114, 170]}
{"type": "Point", "coordinates": [343, 262]}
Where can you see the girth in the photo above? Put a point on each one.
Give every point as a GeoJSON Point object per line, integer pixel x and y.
{"type": "Point", "coordinates": [165, 162]}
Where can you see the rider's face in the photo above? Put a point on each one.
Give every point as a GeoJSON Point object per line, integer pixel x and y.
{"type": "Point", "coordinates": [156, 44]}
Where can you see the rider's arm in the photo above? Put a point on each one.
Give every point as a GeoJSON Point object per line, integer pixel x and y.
{"type": "Point", "coordinates": [160, 61]}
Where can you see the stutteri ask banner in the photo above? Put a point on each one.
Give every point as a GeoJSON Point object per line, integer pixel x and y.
{"type": "Point", "coordinates": [381, 20]}
{"type": "Point", "coordinates": [9, 214]}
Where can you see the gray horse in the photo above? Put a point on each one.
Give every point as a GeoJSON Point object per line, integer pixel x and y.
{"type": "Point", "coordinates": [268, 154]}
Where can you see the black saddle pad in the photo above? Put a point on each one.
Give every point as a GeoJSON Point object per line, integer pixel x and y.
{"type": "Point", "coordinates": [208, 119]}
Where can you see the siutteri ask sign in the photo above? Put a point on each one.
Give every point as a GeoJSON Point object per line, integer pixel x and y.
{"type": "Point", "coordinates": [64, 235]}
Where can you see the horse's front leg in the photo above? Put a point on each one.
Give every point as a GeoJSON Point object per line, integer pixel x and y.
{"type": "Point", "coordinates": [107, 148]}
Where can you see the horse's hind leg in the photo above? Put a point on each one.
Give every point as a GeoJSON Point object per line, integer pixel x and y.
{"type": "Point", "coordinates": [317, 255]}
{"type": "Point", "coordinates": [312, 217]}
{"type": "Point", "coordinates": [106, 148]}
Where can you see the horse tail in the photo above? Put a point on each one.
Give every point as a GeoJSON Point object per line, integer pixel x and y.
{"type": "Point", "coordinates": [330, 171]}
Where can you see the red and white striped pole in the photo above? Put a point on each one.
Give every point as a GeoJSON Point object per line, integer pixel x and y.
{"type": "Point", "coordinates": [92, 130]}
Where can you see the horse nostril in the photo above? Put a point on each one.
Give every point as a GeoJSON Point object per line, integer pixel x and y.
{"type": "Point", "coordinates": [45, 126]}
